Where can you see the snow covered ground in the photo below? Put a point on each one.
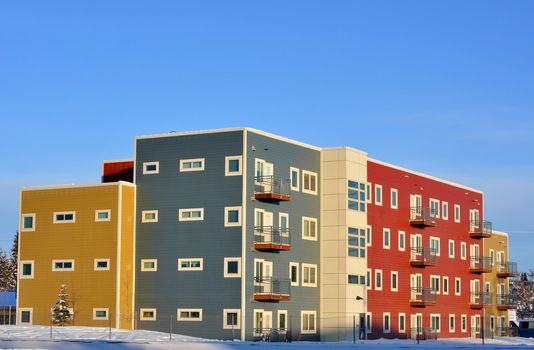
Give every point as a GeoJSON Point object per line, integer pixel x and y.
{"type": "Point", "coordinates": [37, 337]}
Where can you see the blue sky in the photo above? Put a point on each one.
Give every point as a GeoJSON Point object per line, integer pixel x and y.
{"type": "Point", "coordinates": [442, 87]}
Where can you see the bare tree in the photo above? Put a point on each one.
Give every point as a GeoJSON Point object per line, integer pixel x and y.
{"type": "Point", "coordinates": [522, 290]}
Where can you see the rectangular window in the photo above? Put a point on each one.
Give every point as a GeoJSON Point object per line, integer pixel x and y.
{"type": "Point", "coordinates": [368, 281]}
{"type": "Point", "coordinates": [100, 314]}
{"type": "Point", "coordinates": [445, 210]}
{"type": "Point", "coordinates": [294, 175]}
{"type": "Point", "coordinates": [231, 318]}
{"type": "Point", "coordinates": [434, 207]}
{"type": "Point", "coordinates": [369, 322]}
{"type": "Point", "coordinates": [307, 322]}
{"type": "Point", "coordinates": [232, 267]}
{"type": "Point", "coordinates": [394, 198]}
{"type": "Point", "coordinates": [386, 320]}
{"type": "Point", "coordinates": [149, 265]}
{"type": "Point", "coordinates": [309, 182]}
{"type": "Point", "coordinates": [356, 195]}
{"type": "Point", "coordinates": [294, 273]}
{"type": "Point", "coordinates": [457, 286]}
{"type": "Point", "coordinates": [378, 279]}
{"type": "Point", "coordinates": [101, 264]}
{"type": "Point", "coordinates": [150, 168]}
{"type": "Point", "coordinates": [190, 264]}
{"type": "Point", "coordinates": [435, 322]}
{"type": "Point", "coordinates": [368, 194]}
{"type": "Point", "coordinates": [354, 279]}
{"type": "Point", "coordinates": [386, 237]}
{"type": "Point", "coordinates": [402, 241]}
{"type": "Point", "coordinates": [434, 245]}
{"type": "Point", "coordinates": [232, 216]}
{"type": "Point", "coordinates": [369, 236]}
{"type": "Point", "coordinates": [452, 323]}
{"type": "Point", "coordinates": [149, 216]}
{"type": "Point", "coordinates": [191, 214]}
{"type": "Point", "coordinates": [309, 275]}
{"type": "Point", "coordinates": [64, 217]}
{"type": "Point", "coordinates": [25, 316]}
{"type": "Point", "coordinates": [378, 194]}
{"type": "Point", "coordinates": [233, 166]}
{"type": "Point", "coordinates": [445, 285]}
{"type": "Point", "coordinates": [434, 283]}
{"type": "Point", "coordinates": [356, 242]}
{"type": "Point", "coordinates": [27, 222]}
{"type": "Point", "coordinates": [492, 257]}
{"type": "Point", "coordinates": [63, 265]}
{"type": "Point", "coordinates": [189, 315]}
{"type": "Point", "coordinates": [451, 248]}
{"type": "Point", "coordinates": [26, 269]}
{"type": "Point", "coordinates": [282, 320]}
{"type": "Point", "coordinates": [187, 165]}
{"type": "Point", "coordinates": [456, 213]}
{"type": "Point", "coordinates": [309, 228]}
{"type": "Point", "coordinates": [463, 250]}
{"type": "Point", "coordinates": [147, 314]}
{"type": "Point", "coordinates": [464, 323]}
{"type": "Point", "coordinates": [402, 322]}
{"type": "Point", "coordinates": [103, 215]}
{"type": "Point", "coordinates": [394, 281]}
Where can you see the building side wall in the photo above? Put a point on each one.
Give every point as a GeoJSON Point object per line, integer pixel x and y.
{"type": "Point", "coordinates": [127, 245]}
{"type": "Point", "coordinates": [497, 243]}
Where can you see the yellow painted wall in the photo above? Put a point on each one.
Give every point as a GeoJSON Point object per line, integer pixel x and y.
{"type": "Point", "coordinates": [497, 242]}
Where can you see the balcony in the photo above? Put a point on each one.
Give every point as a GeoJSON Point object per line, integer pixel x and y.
{"type": "Point", "coordinates": [479, 299]}
{"type": "Point", "coordinates": [422, 334]}
{"type": "Point", "coordinates": [480, 229]}
{"type": "Point", "coordinates": [507, 269]}
{"type": "Point", "coordinates": [421, 297]}
{"type": "Point", "coordinates": [422, 217]}
{"type": "Point", "coordinates": [271, 189]}
{"type": "Point", "coordinates": [422, 256]}
{"type": "Point", "coordinates": [269, 238]}
{"type": "Point", "coordinates": [480, 264]}
{"type": "Point", "coordinates": [505, 302]}
{"type": "Point", "coordinates": [506, 331]}
{"type": "Point", "coordinates": [269, 289]}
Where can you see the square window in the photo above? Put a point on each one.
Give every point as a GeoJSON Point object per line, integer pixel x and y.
{"type": "Point", "coordinates": [231, 318]}
{"type": "Point", "coordinates": [232, 216]}
{"type": "Point", "coordinates": [26, 316]}
{"type": "Point", "coordinates": [26, 269]}
{"type": "Point", "coordinates": [28, 222]}
{"type": "Point", "coordinates": [232, 267]}
{"type": "Point", "coordinates": [233, 166]}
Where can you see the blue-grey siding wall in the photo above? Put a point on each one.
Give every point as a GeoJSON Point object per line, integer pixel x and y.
{"type": "Point", "coordinates": [284, 155]}
{"type": "Point", "coordinates": [168, 239]}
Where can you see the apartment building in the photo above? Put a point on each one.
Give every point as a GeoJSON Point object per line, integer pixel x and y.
{"type": "Point", "coordinates": [238, 233]}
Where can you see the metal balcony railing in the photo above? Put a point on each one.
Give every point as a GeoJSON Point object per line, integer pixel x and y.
{"type": "Point", "coordinates": [423, 334]}
{"type": "Point", "coordinates": [422, 216]}
{"type": "Point", "coordinates": [422, 256]}
{"type": "Point", "coordinates": [507, 269]}
{"type": "Point", "coordinates": [270, 289]}
{"type": "Point", "coordinates": [271, 238]}
{"type": "Point", "coordinates": [479, 299]}
{"type": "Point", "coordinates": [421, 297]}
{"type": "Point", "coordinates": [480, 229]}
{"type": "Point", "coordinates": [269, 188]}
{"type": "Point", "coordinates": [507, 331]}
{"type": "Point", "coordinates": [480, 264]}
{"type": "Point", "coordinates": [273, 334]}
{"type": "Point", "coordinates": [505, 302]}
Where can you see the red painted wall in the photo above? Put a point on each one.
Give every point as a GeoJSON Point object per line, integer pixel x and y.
{"type": "Point", "coordinates": [384, 216]}
{"type": "Point", "coordinates": [113, 171]}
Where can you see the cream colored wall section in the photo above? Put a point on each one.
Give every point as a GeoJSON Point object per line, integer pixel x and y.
{"type": "Point", "coordinates": [338, 298]}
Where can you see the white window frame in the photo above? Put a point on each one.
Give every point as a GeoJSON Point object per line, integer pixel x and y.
{"type": "Point", "coordinates": [291, 264]}
{"type": "Point", "coordinates": [63, 261]}
{"type": "Point", "coordinates": [445, 210]}
{"type": "Point", "coordinates": [438, 278]}
{"type": "Point", "coordinates": [225, 318]}
{"type": "Point", "coordinates": [453, 252]}
{"type": "Point", "coordinates": [438, 330]}
{"type": "Point", "coordinates": [453, 328]}
{"type": "Point", "coordinates": [189, 170]}
{"type": "Point", "coordinates": [403, 328]}
{"type": "Point", "coordinates": [149, 172]}
{"type": "Point", "coordinates": [388, 314]}
{"type": "Point", "coordinates": [369, 322]}
{"type": "Point", "coordinates": [282, 312]}
{"type": "Point", "coordinates": [95, 264]}
{"type": "Point", "coordinates": [377, 202]}
{"type": "Point", "coordinates": [144, 212]}
{"type": "Point", "coordinates": [377, 271]}
{"type": "Point", "coordinates": [149, 269]}
{"type": "Point", "coordinates": [401, 238]}
{"type": "Point", "coordinates": [456, 291]}
{"type": "Point", "coordinates": [434, 238]}
{"type": "Point", "coordinates": [463, 325]}
{"type": "Point", "coordinates": [186, 210]}
{"type": "Point", "coordinates": [457, 218]}
{"type": "Point", "coordinates": [369, 193]}
{"type": "Point", "coordinates": [433, 200]}
{"type": "Point", "coordinates": [179, 318]}
{"type": "Point", "coordinates": [190, 260]}
{"type": "Point", "coordinates": [463, 250]}
{"type": "Point", "coordinates": [445, 278]}
{"type": "Point", "coordinates": [107, 211]}
{"type": "Point", "coordinates": [396, 274]}
{"type": "Point", "coordinates": [309, 266]}
{"type": "Point", "coordinates": [25, 309]}
{"type": "Point", "coordinates": [369, 236]}
{"type": "Point", "coordinates": [232, 275]}
{"type": "Point", "coordinates": [308, 313]}
{"type": "Point", "coordinates": [369, 279]}
{"type": "Point", "coordinates": [27, 215]}
{"type": "Point", "coordinates": [56, 213]}
{"type": "Point", "coordinates": [310, 173]}
{"type": "Point", "coordinates": [388, 246]}
{"type": "Point", "coordinates": [143, 310]}
{"type": "Point", "coordinates": [309, 238]}
{"type": "Point", "coordinates": [297, 170]}
{"type": "Point", "coordinates": [227, 171]}
{"type": "Point", "coordinates": [394, 190]}
{"type": "Point", "coordinates": [226, 211]}
{"type": "Point", "coordinates": [96, 318]}
{"type": "Point", "coordinates": [24, 262]}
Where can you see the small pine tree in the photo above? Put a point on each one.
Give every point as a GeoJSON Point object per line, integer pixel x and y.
{"type": "Point", "coordinates": [12, 280]}
{"type": "Point", "coordinates": [61, 314]}
{"type": "Point", "coordinates": [5, 271]}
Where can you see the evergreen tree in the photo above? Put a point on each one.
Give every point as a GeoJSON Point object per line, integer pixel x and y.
{"type": "Point", "coordinates": [12, 282]}
{"type": "Point", "coordinates": [61, 314]}
{"type": "Point", "coordinates": [5, 271]}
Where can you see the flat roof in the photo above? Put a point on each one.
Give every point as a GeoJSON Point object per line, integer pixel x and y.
{"type": "Point", "coordinates": [64, 186]}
